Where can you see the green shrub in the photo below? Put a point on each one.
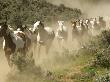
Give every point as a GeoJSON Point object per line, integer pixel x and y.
{"type": "Point", "coordinates": [103, 78]}
{"type": "Point", "coordinates": [103, 58]}
{"type": "Point", "coordinates": [100, 45]}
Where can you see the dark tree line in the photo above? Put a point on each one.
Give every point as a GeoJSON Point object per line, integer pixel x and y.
{"type": "Point", "coordinates": [28, 11]}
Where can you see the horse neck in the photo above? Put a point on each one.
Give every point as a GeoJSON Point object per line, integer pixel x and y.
{"type": "Point", "coordinates": [88, 22]}
{"type": "Point", "coordinates": [26, 31]}
{"type": "Point", "coordinates": [61, 27]}
{"type": "Point", "coordinates": [80, 25]}
{"type": "Point", "coordinates": [75, 26]}
{"type": "Point", "coordinates": [42, 32]}
{"type": "Point", "coordinates": [9, 42]}
{"type": "Point", "coordinates": [8, 36]}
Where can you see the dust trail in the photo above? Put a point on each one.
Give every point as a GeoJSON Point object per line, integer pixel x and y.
{"type": "Point", "coordinates": [4, 68]}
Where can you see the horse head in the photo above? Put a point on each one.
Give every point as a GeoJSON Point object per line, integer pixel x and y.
{"type": "Point", "coordinates": [60, 23]}
{"type": "Point", "coordinates": [3, 29]}
{"type": "Point", "coordinates": [73, 23]}
{"type": "Point", "coordinates": [38, 26]}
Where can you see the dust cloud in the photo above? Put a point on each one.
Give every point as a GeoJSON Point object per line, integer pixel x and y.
{"type": "Point", "coordinates": [91, 9]}
{"type": "Point", "coordinates": [4, 68]}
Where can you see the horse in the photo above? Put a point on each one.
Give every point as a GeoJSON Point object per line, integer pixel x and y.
{"type": "Point", "coordinates": [75, 31]}
{"type": "Point", "coordinates": [79, 29]}
{"type": "Point", "coordinates": [45, 36]}
{"type": "Point", "coordinates": [14, 42]}
{"type": "Point", "coordinates": [102, 23]}
{"type": "Point", "coordinates": [61, 33]}
{"type": "Point", "coordinates": [84, 28]}
{"type": "Point", "coordinates": [28, 32]}
{"type": "Point", "coordinates": [31, 35]}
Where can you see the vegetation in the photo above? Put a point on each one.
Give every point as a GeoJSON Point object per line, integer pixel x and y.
{"type": "Point", "coordinates": [88, 64]}
{"type": "Point", "coordinates": [28, 11]}
{"type": "Point", "coordinates": [97, 69]}
{"type": "Point", "coordinates": [102, 49]}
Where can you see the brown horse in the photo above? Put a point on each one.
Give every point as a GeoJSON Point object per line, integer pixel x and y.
{"type": "Point", "coordinates": [14, 41]}
{"type": "Point", "coordinates": [75, 32]}
{"type": "Point", "coordinates": [45, 36]}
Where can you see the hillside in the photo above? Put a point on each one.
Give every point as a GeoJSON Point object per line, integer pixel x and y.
{"type": "Point", "coordinates": [28, 11]}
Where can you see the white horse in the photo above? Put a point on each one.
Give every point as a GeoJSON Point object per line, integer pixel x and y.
{"type": "Point", "coordinates": [45, 36]}
{"type": "Point", "coordinates": [61, 33]}
{"type": "Point", "coordinates": [93, 26]}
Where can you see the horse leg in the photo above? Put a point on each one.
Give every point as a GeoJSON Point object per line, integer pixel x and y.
{"type": "Point", "coordinates": [34, 47]}
{"type": "Point", "coordinates": [48, 45]}
{"type": "Point", "coordinates": [39, 47]}
{"type": "Point", "coordinates": [7, 55]}
{"type": "Point", "coordinates": [47, 48]}
{"type": "Point", "coordinates": [63, 44]}
{"type": "Point", "coordinates": [60, 43]}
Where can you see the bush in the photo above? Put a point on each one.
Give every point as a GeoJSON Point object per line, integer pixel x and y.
{"type": "Point", "coordinates": [103, 78]}
{"type": "Point", "coordinates": [103, 58]}
{"type": "Point", "coordinates": [22, 62]}
{"type": "Point", "coordinates": [99, 48]}
{"type": "Point", "coordinates": [100, 45]}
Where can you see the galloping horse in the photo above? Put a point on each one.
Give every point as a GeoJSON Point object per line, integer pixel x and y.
{"type": "Point", "coordinates": [14, 42]}
{"type": "Point", "coordinates": [61, 33]}
{"type": "Point", "coordinates": [89, 26]}
{"type": "Point", "coordinates": [45, 36]}
{"type": "Point", "coordinates": [28, 32]}
{"type": "Point", "coordinates": [79, 29]}
{"type": "Point", "coordinates": [102, 23]}
{"type": "Point", "coordinates": [75, 32]}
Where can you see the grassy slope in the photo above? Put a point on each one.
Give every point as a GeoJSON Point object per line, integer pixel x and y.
{"type": "Point", "coordinates": [65, 66]}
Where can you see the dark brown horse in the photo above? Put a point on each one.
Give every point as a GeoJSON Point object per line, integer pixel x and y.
{"type": "Point", "coordinates": [14, 41]}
